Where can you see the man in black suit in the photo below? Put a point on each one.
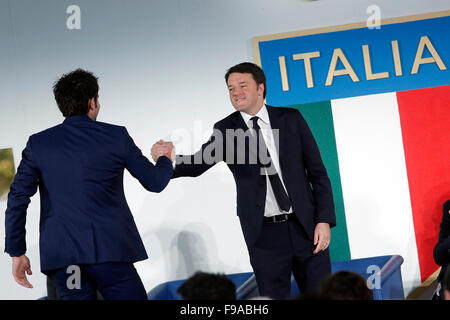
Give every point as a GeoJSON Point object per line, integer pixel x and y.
{"type": "Point", "coordinates": [284, 197]}
{"type": "Point", "coordinates": [441, 253]}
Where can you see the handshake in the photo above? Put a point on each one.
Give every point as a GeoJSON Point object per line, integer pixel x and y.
{"type": "Point", "coordinates": [163, 148]}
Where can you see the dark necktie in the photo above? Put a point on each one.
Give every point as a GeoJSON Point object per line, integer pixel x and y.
{"type": "Point", "coordinates": [280, 194]}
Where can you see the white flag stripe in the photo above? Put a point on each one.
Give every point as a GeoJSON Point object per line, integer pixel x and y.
{"type": "Point", "coordinates": [374, 181]}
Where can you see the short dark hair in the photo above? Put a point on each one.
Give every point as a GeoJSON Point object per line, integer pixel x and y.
{"type": "Point", "coordinates": [208, 286]}
{"type": "Point", "coordinates": [253, 69]}
{"type": "Point", "coordinates": [346, 285]}
{"type": "Point", "coordinates": [446, 212]}
{"type": "Point", "coordinates": [73, 91]}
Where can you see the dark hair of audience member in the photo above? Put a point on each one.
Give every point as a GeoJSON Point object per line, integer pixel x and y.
{"type": "Point", "coordinates": [208, 286]}
{"type": "Point", "coordinates": [345, 285]}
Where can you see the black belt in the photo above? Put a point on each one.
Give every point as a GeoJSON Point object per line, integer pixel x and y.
{"type": "Point", "coordinates": [278, 218]}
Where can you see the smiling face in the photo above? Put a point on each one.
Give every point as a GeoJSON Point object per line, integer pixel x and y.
{"type": "Point", "coordinates": [245, 94]}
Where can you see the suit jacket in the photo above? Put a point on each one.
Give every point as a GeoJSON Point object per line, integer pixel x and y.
{"type": "Point", "coordinates": [78, 166]}
{"type": "Point", "coordinates": [441, 252]}
{"type": "Point", "coordinates": [303, 172]}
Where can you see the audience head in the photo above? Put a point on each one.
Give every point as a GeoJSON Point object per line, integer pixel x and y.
{"type": "Point", "coordinates": [345, 285]}
{"type": "Point", "coordinates": [208, 286]}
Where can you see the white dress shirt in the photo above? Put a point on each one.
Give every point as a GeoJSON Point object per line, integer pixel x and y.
{"type": "Point", "coordinates": [271, 207]}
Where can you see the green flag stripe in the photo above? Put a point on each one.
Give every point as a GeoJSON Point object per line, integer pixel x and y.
{"type": "Point", "coordinates": [319, 117]}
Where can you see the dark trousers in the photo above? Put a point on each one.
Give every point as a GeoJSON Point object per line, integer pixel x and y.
{"type": "Point", "coordinates": [282, 250]}
{"type": "Point", "coordinates": [115, 281]}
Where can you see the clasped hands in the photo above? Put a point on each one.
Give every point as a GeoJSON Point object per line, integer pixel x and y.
{"type": "Point", "coordinates": [163, 148]}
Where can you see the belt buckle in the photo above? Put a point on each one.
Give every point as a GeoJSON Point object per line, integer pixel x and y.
{"type": "Point", "coordinates": [285, 216]}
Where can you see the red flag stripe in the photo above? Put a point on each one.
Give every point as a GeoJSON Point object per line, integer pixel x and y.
{"type": "Point", "coordinates": [425, 123]}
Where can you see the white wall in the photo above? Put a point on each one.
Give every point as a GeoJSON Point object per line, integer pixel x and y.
{"type": "Point", "coordinates": [161, 65]}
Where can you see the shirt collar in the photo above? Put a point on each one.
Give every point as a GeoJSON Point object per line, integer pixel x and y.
{"type": "Point", "coordinates": [262, 115]}
{"type": "Point", "coordinates": [73, 119]}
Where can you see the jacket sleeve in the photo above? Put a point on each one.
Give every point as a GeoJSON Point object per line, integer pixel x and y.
{"type": "Point", "coordinates": [152, 177]}
{"type": "Point", "coordinates": [317, 175]}
{"type": "Point", "coordinates": [24, 186]}
{"type": "Point", "coordinates": [210, 153]}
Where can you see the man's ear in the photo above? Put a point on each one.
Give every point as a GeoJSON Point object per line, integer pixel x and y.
{"type": "Point", "coordinates": [91, 104]}
{"type": "Point", "coordinates": [261, 88]}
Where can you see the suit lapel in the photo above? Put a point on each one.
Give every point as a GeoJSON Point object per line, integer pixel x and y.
{"type": "Point", "coordinates": [277, 123]}
{"type": "Point", "coordinates": [239, 123]}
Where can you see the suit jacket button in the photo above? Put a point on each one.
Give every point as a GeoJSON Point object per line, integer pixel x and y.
{"type": "Point", "coordinates": [258, 205]}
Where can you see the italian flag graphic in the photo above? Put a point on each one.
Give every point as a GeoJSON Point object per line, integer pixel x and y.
{"type": "Point", "coordinates": [388, 158]}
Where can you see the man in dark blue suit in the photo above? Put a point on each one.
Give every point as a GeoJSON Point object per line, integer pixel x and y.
{"type": "Point", "coordinates": [284, 197]}
{"type": "Point", "coordinates": [88, 238]}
